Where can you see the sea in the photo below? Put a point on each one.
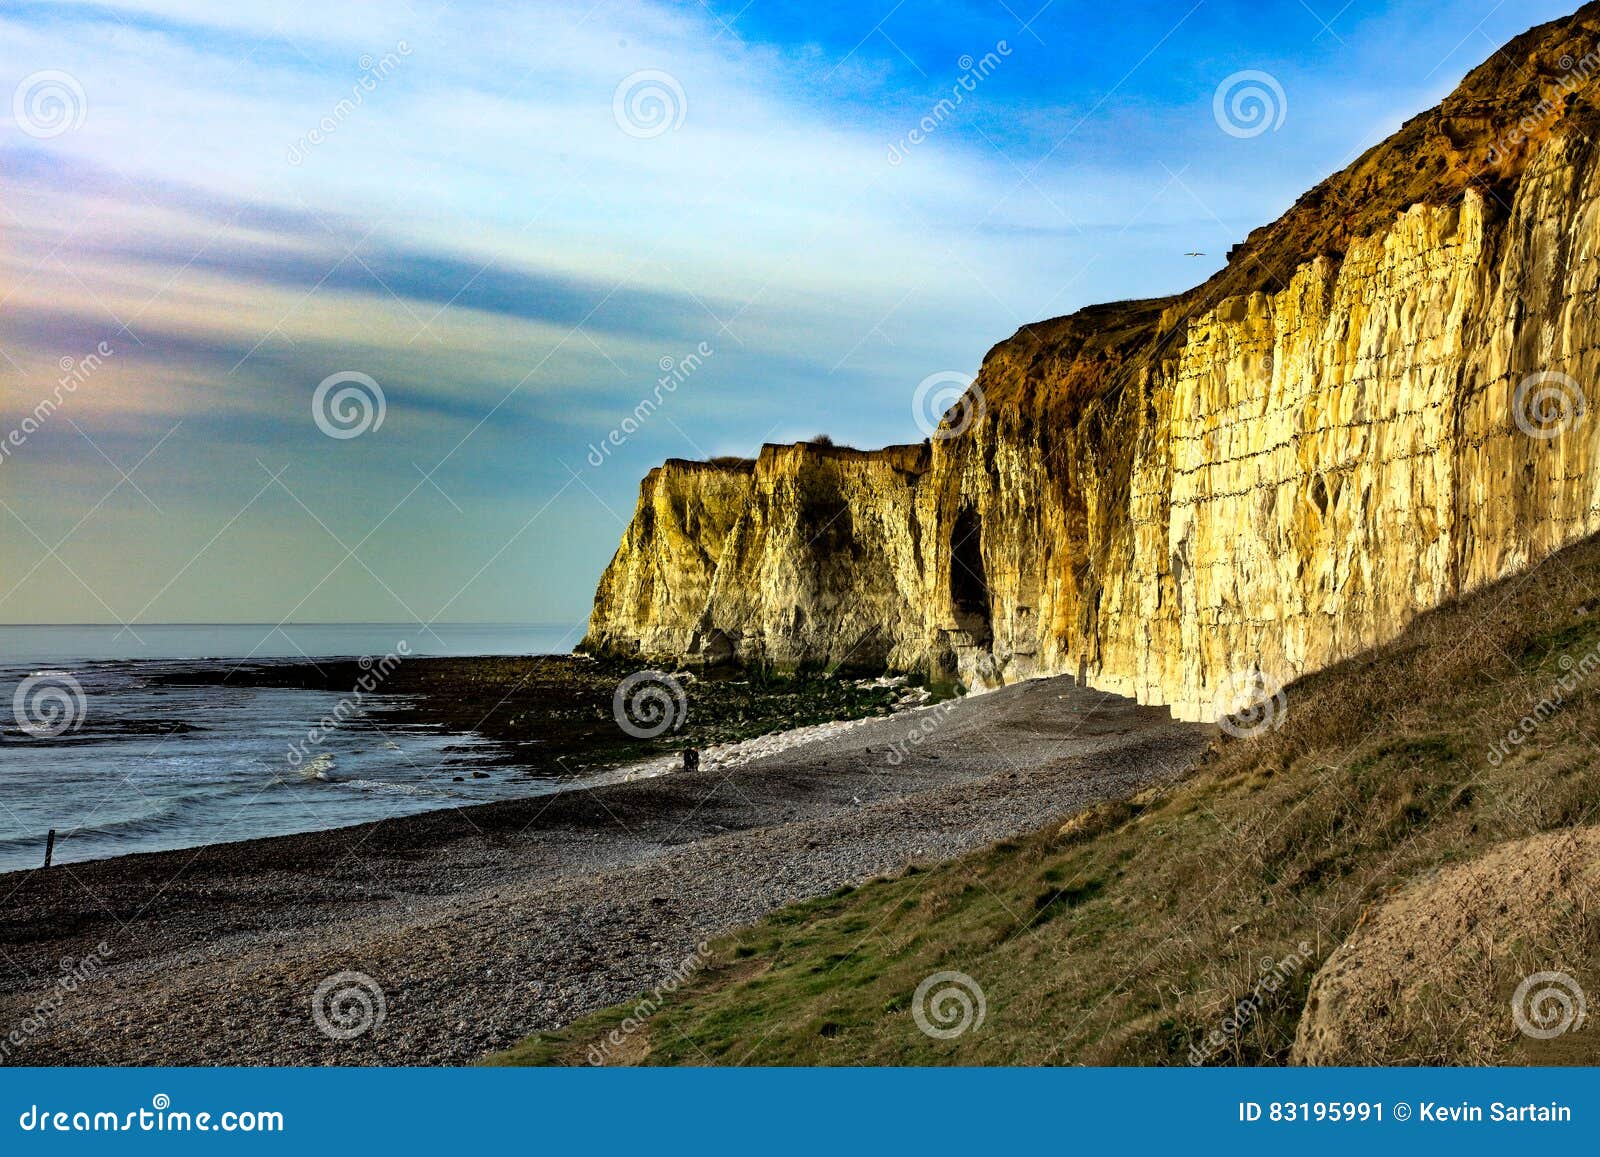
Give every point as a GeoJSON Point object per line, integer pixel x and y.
{"type": "Point", "coordinates": [153, 766]}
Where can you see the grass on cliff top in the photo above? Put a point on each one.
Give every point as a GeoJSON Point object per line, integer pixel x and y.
{"type": "Point", "coordinates": [1433, 159]}
{"type": "Point", "coordinates": [1128, 933]}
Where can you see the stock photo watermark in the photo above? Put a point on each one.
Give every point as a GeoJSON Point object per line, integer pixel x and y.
{"type": "Point", "coordinates": [1574, 674]}
{"type": "Point", "coordinates": [649, 103]}
{"type": "Point", "coordinates": [1273, 976]}
{"type": "Point", "coordinates": [648, 704]}
{"type": "Point", "coordinates": [374, 672]}
{"type": "Point", "coordinates": [927, 723]}
{"type": "Point", "coordinates": [1547, 1005]}
{"type": "Point", "coordinates": [74, 373]}
{"type": "Point", "coordinates": [49, 704]}
{"type": "Point", "coordinates": [49, 103]}
{"type": "Point", "coordinates": [1250, 703]}
{"type": "Point", "coordinates": [347, 1005]}
{"type": "Point", "coordinates": [973, 73]}
{"type": "Point", "coordinates": [1575, 73]}
{"type": "Point", "coordinates": [160, 1117]}
{"type": "Point", "coordinates": [1548, 404]}
{"type": "Point", "coordinates": [674, 373]}
{"type": "Point", "coordinates": [946, 404]}
{"type": "Point", "coordinates": [949, 1004]}
{"type": "Point", "coordinates": [647, 1006]}
{"type": "Point", "coordinates": [1249, 103]}
{"type": "Point", "coordinates": [373, 73]}
{"type": "Point", "coordinates": [348, 404]}
{"type": "Point", "coordinates": [75, 974]}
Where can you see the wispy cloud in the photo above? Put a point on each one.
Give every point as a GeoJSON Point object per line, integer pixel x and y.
{"type": "Point", "coordinates": [476, 231]}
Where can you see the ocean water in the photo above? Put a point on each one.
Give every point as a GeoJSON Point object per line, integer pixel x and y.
{"type": "Point", "coordinates": [153, 767]}
{"type": "Point", "coordinates": [65, 644]}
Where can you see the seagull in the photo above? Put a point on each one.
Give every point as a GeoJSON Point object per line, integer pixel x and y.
{"type": "Point", "coordinates": [1194, 254]}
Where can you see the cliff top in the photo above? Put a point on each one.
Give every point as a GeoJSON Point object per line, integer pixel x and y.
{"type": "Point", "coordinates": [905, 455]}
{"type": "Point", "coordinates": [1479, 137]}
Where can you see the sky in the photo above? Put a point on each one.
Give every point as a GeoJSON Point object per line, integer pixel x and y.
{"type": "Point", "coordinates": [334, 311]}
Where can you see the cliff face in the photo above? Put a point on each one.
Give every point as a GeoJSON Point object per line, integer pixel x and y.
{"type": "Point", "coordinates": [809, 556]}
{"type": "Point", "coordinates": [1377, 406]}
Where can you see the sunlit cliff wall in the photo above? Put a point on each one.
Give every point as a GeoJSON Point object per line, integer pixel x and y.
{"type": "Point", "coordinates": [1377, 406]}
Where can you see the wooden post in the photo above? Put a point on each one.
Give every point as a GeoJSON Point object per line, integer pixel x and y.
{"type": "Point", "coordinates": [49, 847]}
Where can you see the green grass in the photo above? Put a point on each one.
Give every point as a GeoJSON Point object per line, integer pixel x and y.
{"type": "Point", "coordinates": [1128, 933]}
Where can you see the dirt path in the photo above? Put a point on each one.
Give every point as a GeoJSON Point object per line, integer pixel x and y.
{"type": "Point", "coordinates": [480, 925]}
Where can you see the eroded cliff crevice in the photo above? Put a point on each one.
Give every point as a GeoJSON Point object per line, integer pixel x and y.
{"type": "Point", "coordinates": [1356, 421]}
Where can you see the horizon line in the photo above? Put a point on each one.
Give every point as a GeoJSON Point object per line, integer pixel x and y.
{"type": "Point", "coordinates": [313, 623]}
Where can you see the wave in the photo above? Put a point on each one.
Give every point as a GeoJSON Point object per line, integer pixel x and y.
{"type": "Point", "coordinates": [153, 822]}
{"type": "Point", "coordinates": [318, 768]}
{"type": "Point", "coordinates": [380, 785]}
{"type": "Point", "coordinates": [314, 771]}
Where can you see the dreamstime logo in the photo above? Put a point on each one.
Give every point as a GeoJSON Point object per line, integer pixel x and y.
{"type": "Point", "coordinates": [1576, 72]}
{"type": "Point", "coordinates": [373, 674]}
{"type": "Point", "coordinates": [155, 1119]}
{"type": "Point", "coordinates": [49, 704]}
{"type": "Point", "coordinates": [649, 103]}
{"type": "Point", "coordinates": [926, 724]}
{"type": "Point", "coordinates": [1250, 703]}
{"type": "Point", "coordinates": [674, 372]}
{"type": "Point", "coordinates": [649, 703]}
{"type": "Point", "coordinates": [1574, 673]}
{"type": "Point", "coordinates": [74, 373]}
{"type": "Point", "coordinates": [948, 1004]}
{"type": "Point", "coordinates": [1273, 975]}
{"type": "Point", "coordinates": [1548, 1004]}
{"type": "Point", "coordinates": [938, 396]}
{"type": "Point", "coordinates": [75, 974]}
{"type": "Point", "coordinates": [1249, 103]}
{"type": "Point", "coordinates": [1547, 404]}
{"type": "Point", "coordinates": [373, 72]}
{"type": "Point", "coordinates": [350, 411]}
{"type": "Point", "coordinates": [647, 1006]}
{"type": "Point", "coordinates": [49, 103]}
{"type": "Point", "coordinates": [973, 73]}
{"type": "Point", "coordinates": [348, 1004]}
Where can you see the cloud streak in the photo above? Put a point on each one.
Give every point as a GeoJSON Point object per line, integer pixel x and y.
{"type": "Point", "coordinates": [480, 235]}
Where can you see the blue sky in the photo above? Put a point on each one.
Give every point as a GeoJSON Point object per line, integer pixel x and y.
{"type": "Point", "coordinates": [461, 203]}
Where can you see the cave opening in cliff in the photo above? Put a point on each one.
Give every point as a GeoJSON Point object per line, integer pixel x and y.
{"type": "Point", "coordinates": [969, 586]}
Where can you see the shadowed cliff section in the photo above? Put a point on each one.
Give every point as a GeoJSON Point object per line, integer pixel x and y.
{"type": "Point", "coordinates": [807, 557]}
{"type": "Point", "coordinates": [1266, 474]}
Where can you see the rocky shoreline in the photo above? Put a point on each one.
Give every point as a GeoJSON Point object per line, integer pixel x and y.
{"type": "Point", "coordinates": [472, 927]}
{"type": "Point", "coordinates": [555, 716]}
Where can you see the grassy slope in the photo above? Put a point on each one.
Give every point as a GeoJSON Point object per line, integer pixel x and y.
{"type": "Point", "coordinates": [1129, 933]}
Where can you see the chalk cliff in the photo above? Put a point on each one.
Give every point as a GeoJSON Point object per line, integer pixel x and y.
{"type": "Point", "coordinates": [1378, 405]}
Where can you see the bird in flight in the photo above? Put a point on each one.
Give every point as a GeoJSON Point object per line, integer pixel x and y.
{"type": "Point", "coordinates": [1194, 254]}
